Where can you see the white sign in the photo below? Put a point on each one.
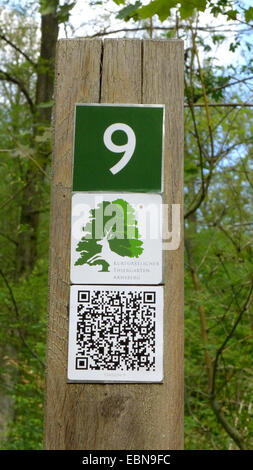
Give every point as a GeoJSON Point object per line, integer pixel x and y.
{"type": "Point", "coordinates": [115, 334]}
{"type": "Point", "coordinates": [116, 238]}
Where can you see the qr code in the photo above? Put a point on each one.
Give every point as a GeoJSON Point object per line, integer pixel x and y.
{"type": "Point", "coordinates": [116, 330]}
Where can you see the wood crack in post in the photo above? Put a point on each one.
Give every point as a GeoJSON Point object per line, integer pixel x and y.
{"type": "Point", "coordinates": [101, 71]}
{"type": "Point", "coordinates": [142, 72]}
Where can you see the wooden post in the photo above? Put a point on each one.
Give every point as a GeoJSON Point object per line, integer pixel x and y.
{"type": "Point", "coordinates": [114, 416]}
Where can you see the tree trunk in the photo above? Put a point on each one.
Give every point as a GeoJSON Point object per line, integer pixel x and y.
{"type": "Point", "coordinates": [32, 201]}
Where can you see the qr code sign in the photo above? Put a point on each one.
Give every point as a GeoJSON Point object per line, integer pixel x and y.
{"type": "Point", "coordinates": [115, 334]}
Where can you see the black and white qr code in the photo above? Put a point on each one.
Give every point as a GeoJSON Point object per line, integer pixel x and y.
{"type": "Point", "coordinates": [115, 333]}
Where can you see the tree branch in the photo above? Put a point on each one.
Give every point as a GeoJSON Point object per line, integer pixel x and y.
{"type": "Point", "coordinates": [8, 238]}
{"type": "Point", "coordinates": [202, 315]}
{"type": "Point", "coordinates": [14, 195]}
{"type": "Point", "coordinates": [212, 365]}
{"type": "Point", "coordinates": [14, 46]}
{"type": "Point", "coordinates": [6, 76]}
{"type": "Point", "coordinates": [34, 354]}
{"type": "Point", "coordinates": [229, 336]}
{"type": "Point", "coordinates": [220, 105]}
{"type": "Point", "coordinates": [209, 29]}
{"type": "Point", "coordinates": [233, 433]}
{"type": "Point", "coordinates": [206, 104]}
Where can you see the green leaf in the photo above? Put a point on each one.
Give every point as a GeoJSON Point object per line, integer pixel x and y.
{"type": "Point", "coordinates": [63, 13]}
{"type": "Point", "coordinates": [218, 38]}
{"type": "Point", "coordinates": [232, 14]}
{"type": "Point", "coordinates": [191, 169]}
{"type": "Point", "coordinates": [126, 12]}
{"type": "Point", "coordinates": [216, 11]}
{"type": "Point", "coordinates": [186, 11]}
{"type": "Point", "coordinates": [162, 8]}
{"type": "Point", "coordinates": [233, 46]}
{"type": "Point", "coordinates": [120, 2]}
{"type": "Point", "coordinates": [48, 6]}
{"type": "Point", "coordinates": [187, 8]}
{"type": "Point", "coordinates": [46, 104]}
{"type": "Point", "coordinates": [248, 14]}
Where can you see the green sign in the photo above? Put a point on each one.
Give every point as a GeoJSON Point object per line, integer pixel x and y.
{"type": "Point", "coordinates": [118, 148]}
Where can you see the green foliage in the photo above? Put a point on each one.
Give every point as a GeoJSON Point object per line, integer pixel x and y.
{"type": "Point", "coordinates": [64, 11]}
{"type": "Point", "coordinates": [186, 9]}
{"type": "Point", "coordinates": [23, 301]}
{"type": "Point", "coordinates": [48, 7]}
{"type": "Point", "coordinates": [249, 14]}
{"type": "Point", "coordinates": [162, 8]}
{"type": "Point", "coordinates": [20, 359]}
{"type": "Point", "coordinates": [129, 11]}
{"type": "Point", "coordinates": [219, 237]}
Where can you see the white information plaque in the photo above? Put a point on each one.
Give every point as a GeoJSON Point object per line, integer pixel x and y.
{"type": "Point", "coordinates": [115, 334]}
{"type": "Point", "coordinates": [116, 238]}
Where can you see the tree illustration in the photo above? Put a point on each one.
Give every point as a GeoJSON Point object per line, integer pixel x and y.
{"type": "Point", "coordinates": [111, 225]}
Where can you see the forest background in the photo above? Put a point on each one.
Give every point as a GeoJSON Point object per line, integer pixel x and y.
{"type": "Point", "coordinates": [218, 203]}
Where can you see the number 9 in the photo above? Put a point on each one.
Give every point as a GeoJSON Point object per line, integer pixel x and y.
{"type": "Point", "coordinates": [127, 148]}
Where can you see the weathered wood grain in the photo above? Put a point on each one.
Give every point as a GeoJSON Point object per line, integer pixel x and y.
{"type": "Point", "coordinates": [114, 416]}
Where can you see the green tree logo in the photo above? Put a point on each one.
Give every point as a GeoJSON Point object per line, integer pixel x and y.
{"type": "Point", "coordinates": [111, 227]}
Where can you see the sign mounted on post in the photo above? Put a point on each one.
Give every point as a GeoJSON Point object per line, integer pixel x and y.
{"type": "Point", "coordinates": [116, 238]}
{"type": "Point", "coordinates": [118, 148]}
{"type": "Point", "coordinates": [115, 334]}
{"type": "Point", "coordinates": [116, 415]}
{"type": "Point", "coordinates": [115, 331]}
